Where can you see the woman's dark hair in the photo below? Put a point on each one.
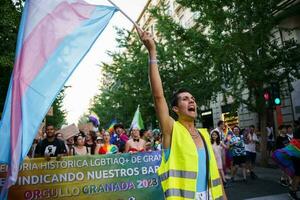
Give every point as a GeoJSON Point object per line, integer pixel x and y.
{"type": "Point", "coordinates": [79, 134]}
{"type": "Point", "coordinates": [220, 122]}
{"type": "Point", "coordinates": [174, 99]}
{"type": "Point", "coordinates": [218, 140]}
{"type": "Point", "coordinates": [236, 126]}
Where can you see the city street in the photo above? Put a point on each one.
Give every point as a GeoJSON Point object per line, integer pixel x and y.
{"type": "Point", "coordinates": [266, 187]}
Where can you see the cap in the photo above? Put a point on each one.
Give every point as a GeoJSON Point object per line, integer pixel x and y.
{"type": "Point", "coordinates": [99, 138]}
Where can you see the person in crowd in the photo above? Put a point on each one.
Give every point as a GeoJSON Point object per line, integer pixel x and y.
{"type": "Point", "coordinates": [220, 128]}
{"type": "Point", "coordinates": [106, 147]}
{"type": "Point", "coordinates": [89, 141]}
{"type": "Point", "coordinates": [289, 133]}
{"type": "Point", "coordinates": [282, 141]}
{"type": "Point", "coordinates": [218, 147]}
{"type": "Point", "coordinates": [70, 145]}
{"type": "Point", "coordinates": [114, 137]}
{"type": "Point", "coordinates": [99, 140]}
{"type": "Point", "coordinates": [296, 162]}
{"type": "Point", "coordinates": [102, 131]}
{"type": "Point", "coordinates": [227, 152]}
{"type": "Point", "coordinates": [157, 142]}
{"type": "Point", "coordinates": [186, 162]}
{"type": "Point", "coordinates": [250, 147]}
{"type": "Point", "coordinates": [271, 138]}
{"type": "Point", "coordinates": [32, 148]}
{"type": "Point", "coordinates": [239, 153]}
{"type": "Point", "coordinates": [59, 136]}
{"type": "Point", "coordinates": [123, 138]}
{"type": "Point", "coordinates": [148, 137]}
{"type": "Point", "coordinates": [50, 146]}
{"type": "Point", "coordinates": [80, 148]}
{"type": "Point", "coordinates": [288, 159]}
{"type": "Point", "coordinates": [135, 144]}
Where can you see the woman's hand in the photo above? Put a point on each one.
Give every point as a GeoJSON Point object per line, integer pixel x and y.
{"type": "Point", "coordinates": [147, 40]}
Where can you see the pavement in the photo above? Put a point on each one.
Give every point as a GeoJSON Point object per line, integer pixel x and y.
{"type": "Point", "coordinates": [265, 187]}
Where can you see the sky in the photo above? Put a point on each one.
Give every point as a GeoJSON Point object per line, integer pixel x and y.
{"type": "Point", "coordinates": [85, 80]}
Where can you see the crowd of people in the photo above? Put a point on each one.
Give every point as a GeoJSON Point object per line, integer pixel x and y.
{"type": "Point", "coordinates": [286, 154]}
{"type": "Point", "coordinates": [53, 144]}
{"type": "Point", "coordinates": [234, 148]}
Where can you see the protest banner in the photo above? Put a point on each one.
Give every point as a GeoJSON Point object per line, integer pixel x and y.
{"type": "Point", "coordinates": [104, 177]}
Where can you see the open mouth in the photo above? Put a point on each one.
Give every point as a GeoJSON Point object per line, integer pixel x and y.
{"type": "Point", "coordinates": [191, 109]}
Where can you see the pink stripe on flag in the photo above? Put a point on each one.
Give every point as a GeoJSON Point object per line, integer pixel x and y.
{"type": "Point", "coordinates": [46, 37]}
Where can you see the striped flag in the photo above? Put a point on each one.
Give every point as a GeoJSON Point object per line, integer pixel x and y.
{"type": "Point", "coordinates": [137, 121]}
{"type": "Point", "coordinates": [111, 126]}
{"type": "Point", "coordinates": [54, 36]}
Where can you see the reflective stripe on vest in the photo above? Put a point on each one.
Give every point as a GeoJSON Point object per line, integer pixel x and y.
{"type": "Point", "coordinates": [216, 182]}
{"type": "Point", "coordinates": [179, 193]}
{"type": "Point", "coordinates": [219, 198]}
{"type": "Point", "coordinates": [178, 174]}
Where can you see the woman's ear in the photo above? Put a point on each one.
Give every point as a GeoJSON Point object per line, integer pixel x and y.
{"type": "Point", "coordinates": [175, 109]}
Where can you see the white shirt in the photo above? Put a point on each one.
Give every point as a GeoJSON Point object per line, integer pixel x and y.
{"type": "Point", "coordinates": [270, 131]}
{"type": "Point", "coordinates": [290, 136]}
{"type": "Point", "coordinates": [251, 146]}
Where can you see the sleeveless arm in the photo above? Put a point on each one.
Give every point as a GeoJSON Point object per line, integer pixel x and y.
{"type": "Point", "coordinates": [97, 149]}
{"type": "Point", "coordinates": [127, 146]}
{"type": "Point", "coordinates": [161, 107]}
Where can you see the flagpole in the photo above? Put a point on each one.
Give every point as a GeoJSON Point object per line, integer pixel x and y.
{"type": "Point", "coordinates": [134, 23]}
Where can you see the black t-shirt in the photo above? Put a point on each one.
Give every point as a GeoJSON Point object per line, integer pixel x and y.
{"type": "Point", "coordinates": [52, 149]}
{"type": "Point", "coordinates": [282, 141]}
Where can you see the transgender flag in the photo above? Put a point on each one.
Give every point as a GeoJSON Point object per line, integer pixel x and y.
{"type": "Point", "coordinates": [54, 36]}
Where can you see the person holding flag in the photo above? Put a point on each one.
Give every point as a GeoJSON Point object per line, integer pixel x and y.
{"type": "Point", "coordinates": [188, 169]}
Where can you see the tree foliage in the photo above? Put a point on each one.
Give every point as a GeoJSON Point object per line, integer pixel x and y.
{"type": "Point", "coordinates": [59, 114]}
{"type": "Point", "coordinates": [126, 84]}
{"type": "Point", "coordinates": [232, 48]}
{"type": "Point", "coordinates": [9, 22]}
{"type": "Point", "coordinates": [126, 78]}
{"type": "Point", "coordinates": [245, 47]}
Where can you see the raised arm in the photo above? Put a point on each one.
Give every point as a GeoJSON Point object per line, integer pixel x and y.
{"type": "Point", "coordinates": [161, 107]}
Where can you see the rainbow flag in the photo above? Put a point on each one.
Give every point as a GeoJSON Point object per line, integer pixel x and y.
{"type": "Point", "coordinates": [283, 157]}
{"type": "Point", "coordinates": [54, 36]}
{"type": "Point", "coordinates": [108, 149]}
{"type": "Point", "coordinates": [111, 126]}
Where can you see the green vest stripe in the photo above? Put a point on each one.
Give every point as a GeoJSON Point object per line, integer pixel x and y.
{"type": "Point", "coordinates": [179, 174]}
{"type": "Point", "coordinates": [179, 193]}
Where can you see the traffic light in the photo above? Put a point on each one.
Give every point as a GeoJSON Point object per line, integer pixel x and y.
{"type": "Point", "coordinates": [275, 89]}
{"type": "Point", "coordinates": [267, 98]}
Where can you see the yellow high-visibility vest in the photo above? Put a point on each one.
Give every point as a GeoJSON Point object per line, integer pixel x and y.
{"type": "Point", "coordinates": [179, 173]}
